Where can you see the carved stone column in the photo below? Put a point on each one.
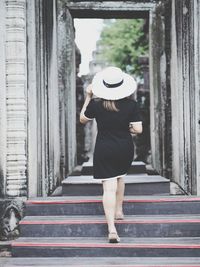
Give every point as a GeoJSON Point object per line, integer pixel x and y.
{"type": "Point", "coordinates": [143, 146]}
{"type": "Point", "coordinates": [2, 100]}
{"type": "Point", "coordinates": [160, 105]}
{"type": "Point", "coordinates": [16, 103]}
{"type": "Point", "coordinates": [67, 87]}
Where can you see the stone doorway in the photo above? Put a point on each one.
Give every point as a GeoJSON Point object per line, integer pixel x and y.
{"type": "Point", "coordinates": [37, 118]}
{"type": "Point", "coordinates": [159, 86]}
{"type": "Point", "coordinates": [51, 137]}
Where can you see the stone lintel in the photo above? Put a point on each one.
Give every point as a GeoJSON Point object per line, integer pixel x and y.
{"type": "Point", "coordinates": [110, 9]}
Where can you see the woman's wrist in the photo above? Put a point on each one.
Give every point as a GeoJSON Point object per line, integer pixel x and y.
{"type": "Point", "coordinates": [89, 90]}
{"type": "Point", "coordinates": [89, 94]}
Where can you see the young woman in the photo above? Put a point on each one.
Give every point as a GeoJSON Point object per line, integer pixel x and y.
{"type": "Point", "coordinates": [117, 117]}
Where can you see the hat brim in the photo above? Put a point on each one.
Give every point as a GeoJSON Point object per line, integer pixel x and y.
{"type": "Point", "coordinates": [127, 88]}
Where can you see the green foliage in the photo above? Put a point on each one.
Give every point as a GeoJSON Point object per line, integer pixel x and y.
{"type": "Point", "coordinates": [121, 42]}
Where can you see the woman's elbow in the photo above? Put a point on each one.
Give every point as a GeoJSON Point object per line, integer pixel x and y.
{"type": "Point", "coordinates": [140, 130]}
{"type": "Point", "coordinates": [136, 130]}
{"type": "Point", "coordinates": [82, 120]}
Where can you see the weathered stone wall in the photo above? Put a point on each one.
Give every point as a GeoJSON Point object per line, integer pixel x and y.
{"type": "Point", "coordinates": [185, 72]}
{"type": "Point", "coordinates": [175, 97]}
{"type": "Point", "coordinates": [38, 97]}
{"type": "Point", "coordinates": [51, 95]}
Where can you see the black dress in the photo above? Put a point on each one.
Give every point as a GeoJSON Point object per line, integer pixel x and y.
{"type": "Point", "coordinates": [114, 148]}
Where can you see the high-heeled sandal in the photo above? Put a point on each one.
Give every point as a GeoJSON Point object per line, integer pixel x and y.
{"type": "Point", "coordinates": [113, 238]}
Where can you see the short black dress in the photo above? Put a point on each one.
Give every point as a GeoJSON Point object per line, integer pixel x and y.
{"type": "Point", "coordinates": [114, 148]}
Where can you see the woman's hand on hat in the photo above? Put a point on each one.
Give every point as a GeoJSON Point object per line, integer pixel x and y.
{"type": "Point", "coordinates": [89, 90]}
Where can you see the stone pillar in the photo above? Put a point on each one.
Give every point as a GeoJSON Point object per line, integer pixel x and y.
{"type": "Point", "coordinates": [160, 105]}
{"type": "Point", "coordinates": [191, 11]}
{"type": "Point", "coordinates": [196, 118]}
{"type": "Point", "coordinates": [67, 87]}
{"type": "Point", "coordinates": [80, 134]}
{"type": "Point", "coordinates": [3, 117]}
{"type": "Point", "coordinates": [16, 98]}
{"type": "Point", "coordinates": [185, 62]}
{"type": "Point", "coordinates": [142, 141]}
{"type": "Point", "coordinates": [32, 82]}
{"type": "Point", "coordinates": [157, 65]}
{"type": "Point", "coordinates": [43, 98]}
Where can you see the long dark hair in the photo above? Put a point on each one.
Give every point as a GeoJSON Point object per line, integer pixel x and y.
{"type": "Point", "coordinates": [110, 105]}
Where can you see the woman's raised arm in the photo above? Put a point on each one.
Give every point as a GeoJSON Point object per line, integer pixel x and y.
{"type": "Point", "coordinates": [89, 94]}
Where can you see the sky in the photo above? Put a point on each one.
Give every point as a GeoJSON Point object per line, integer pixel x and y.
{"type": "Point", "coordinates": [87, 33]}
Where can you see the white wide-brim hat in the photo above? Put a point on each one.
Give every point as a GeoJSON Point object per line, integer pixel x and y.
{"type": "Point", "coordinates": [112, 83]}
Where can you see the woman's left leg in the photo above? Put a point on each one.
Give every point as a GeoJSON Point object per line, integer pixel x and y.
{"type": "Point", "coordinates": [109, 204]}
{"type": "Point", "coordinates": [119, 215]}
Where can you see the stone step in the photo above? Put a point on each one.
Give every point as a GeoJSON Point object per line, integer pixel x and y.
{"type": "Point", "coordinates": [135, 185]}
{"type": "Point", "coordinates": [136, 168]}
{"type": "Point", "coordinates": [92, 205]}
{"type": "Point", "coordinates": [95, 226]}
{"type": "Point", "coordinates": [99, 247]}
{"type": "Point", "coordinates": [102, 262]}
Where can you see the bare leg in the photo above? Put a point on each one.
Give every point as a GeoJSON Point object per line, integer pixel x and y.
{"type": "Point", "coordinates": [119, 199]}
{"type": "Point", "coordinates": [109, 203]}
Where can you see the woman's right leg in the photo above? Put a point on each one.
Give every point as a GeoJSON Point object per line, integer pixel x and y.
{"type": "Point", "coordinates": [109, 203]}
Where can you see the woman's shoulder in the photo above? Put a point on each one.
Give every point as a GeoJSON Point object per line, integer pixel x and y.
{"type": "Point", "coordinates": [97, 102]}
{"type": "Point", "coordinates": [94, 101]}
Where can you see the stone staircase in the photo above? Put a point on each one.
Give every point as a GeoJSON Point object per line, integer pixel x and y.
{"type": "Point", "coordinates": [70, 230]}
{"type": "Point", "coordinates": [137, 181]}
